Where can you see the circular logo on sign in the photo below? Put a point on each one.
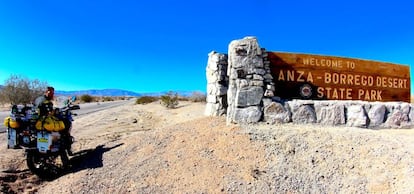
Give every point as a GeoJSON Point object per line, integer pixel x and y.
{"type": "Point", "coordinates": [306, 91]}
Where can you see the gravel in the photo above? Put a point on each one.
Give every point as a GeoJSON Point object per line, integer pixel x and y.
{"type": "Point", "coordinates": [150, 149]}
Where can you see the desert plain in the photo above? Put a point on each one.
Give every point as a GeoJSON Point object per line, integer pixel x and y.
{"type": "Point", "coordinates": [148, 148]}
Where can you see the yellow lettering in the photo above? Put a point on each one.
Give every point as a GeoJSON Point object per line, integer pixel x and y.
{"type": "Point", "coordinates": [310, 77]}
{"type": "Point", "coordinates": [335, 78]}
{"type": "Point", "coordinates": [335, 94]}
{"type": "Point", "coordinates": [349, 94]}
{"type": "Point", "coordinates": [364, 80]}
{"type": "Point", "coordinates": [323, 62]}
{"type": "Point", "coordinates": [367, 95]}
{"type": "Point", "coordinates": [328, 63]}
{"type": "Point", "coordinates": [281, 76]}
{"type": "Point", "coordinates": [334, 63]}
{"type": "Point", "coordinates": [357, 80]}
{"type": "Point", "coordinates": [295, 76]}
{"type": "Point", "coordinates": [291, 75]}
{"type": "Point", "coordinates": [339, 64]}
{"type": "Point", "coordinates": [305, 61]}
{"type": "Point", "coordinates": [320, 92]}
{"type": "Point", "coordinates": [400, 83]}
{"type": "Point", "coordinates": [395, 83]}
{"type": "Point", "coordinates": [350, 79]}
{"type": "Point", "coordinates": [379, 97]}
{"type": "Point", "coordinates": [360, 94]}
{"type": "Point", "coordinates": [312, 61]}
{"type": "Point", "coordinates": [373, 95]}
{"type": "Point", "coordinates": [328, 92]}
{"type": "Point", "coordinates": [378, 81]}
{"type": "Point", "coordinates": [357, 83]}
{"type": "Point", "coordinates": [343, 79]}
{"type": "Point", "coordinates": [370, 81]}
{"type": "Point", "coordinates": [327, 78]}
{"type": "Point", "coordinates": [342, 92]}
{"type": "Point", "coordinates": [300, 79]}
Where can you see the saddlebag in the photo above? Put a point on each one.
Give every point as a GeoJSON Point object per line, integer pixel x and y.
{"type": "Point", "coordinates": [12, 138]}
{"type": "Point", "coordinates": [50, 123]}
{"type": "Point", "coordinates": [11, 123]}
{"type": "Point", "coordinates": [12, 134]}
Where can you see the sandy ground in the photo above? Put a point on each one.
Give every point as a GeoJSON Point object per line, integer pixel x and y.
{"type": "Point", "coordinates": [151, 149]}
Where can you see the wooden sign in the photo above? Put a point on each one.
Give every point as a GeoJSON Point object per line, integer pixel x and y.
{"type": "Point", "coordinates": [304, 76]}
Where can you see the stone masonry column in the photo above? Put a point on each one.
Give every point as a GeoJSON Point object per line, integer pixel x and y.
{"type": "Point", "coordinates": [217, 84]}
{"type": "Point", "coordinates": [246, 81]}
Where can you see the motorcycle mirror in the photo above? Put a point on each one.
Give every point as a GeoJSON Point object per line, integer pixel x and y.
{"type": "Point", "coordinates": [73, 99]}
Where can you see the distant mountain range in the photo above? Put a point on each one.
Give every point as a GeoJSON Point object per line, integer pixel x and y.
{"type": "Point", "coordinates": [116, 92]}
{"type": "Point", "coordinates": [119, 92]}
{"type": "Point", "coordinates": [104, 92]}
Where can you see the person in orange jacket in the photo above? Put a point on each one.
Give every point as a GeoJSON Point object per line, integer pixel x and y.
{"type": "Point", "coordinates": [44, 103]}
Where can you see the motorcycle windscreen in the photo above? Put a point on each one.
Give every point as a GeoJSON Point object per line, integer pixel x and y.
{"type": "Point", "coordinates": [61, 101]}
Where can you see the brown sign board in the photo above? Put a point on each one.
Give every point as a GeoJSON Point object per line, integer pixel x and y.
{"type": "Point", "coordinates": [305, 76]}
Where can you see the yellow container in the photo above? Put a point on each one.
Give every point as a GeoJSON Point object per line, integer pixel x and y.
{"type": "Point", "coordinates": [9, 122]}
{"type": "Point", "coordinates": [50, 123]}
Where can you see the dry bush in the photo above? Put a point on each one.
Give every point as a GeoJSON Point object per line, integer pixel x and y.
{"type": "Point", "coordinates": [107, 98]}
{"type": "Point", "coordinates": [86, 98]}
{"type": "Point", "coordinates": [146, 99]}
{"type": "Point", "coordinates": [21, 90]}
{"type": "Point", "coordinates": [197, 97]}
{"type": "Point", "coordinates": [194, 97]}
{"type": "Point", "coordinates": [183, 98]}
{"type": "Point", "coordinates": [170, 100]}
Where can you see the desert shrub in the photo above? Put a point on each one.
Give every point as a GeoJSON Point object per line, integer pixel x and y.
{"type": "Point", "coordinates": [86, 98]}
{"type": "Point", "coordinates": [18, 89]}
{"type": "Point", "coordinates": [146, 99]}
{"type": "Point", "coordinates": [197, 97]}
{"type": "Point", "coordinates": [107, 98]}
{"type": "Point", "coordinates": [170, 100]}
{"type": "Point", "coordinates": [183, 98]}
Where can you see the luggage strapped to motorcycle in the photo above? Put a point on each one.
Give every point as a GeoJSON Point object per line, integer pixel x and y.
{"type": "Point", "coordinates": [8, 123]}
{"type": "Point", "coordinates": [50, 123]}
{"type": "Point", "coordinates": [43, 123]}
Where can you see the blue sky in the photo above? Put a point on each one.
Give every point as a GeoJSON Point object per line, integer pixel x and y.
{"type": "Point", "coordinates": [152, 46]}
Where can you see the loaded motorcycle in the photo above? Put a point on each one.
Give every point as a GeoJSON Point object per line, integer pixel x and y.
{"type": "Point", "coordinates": [46, 140]}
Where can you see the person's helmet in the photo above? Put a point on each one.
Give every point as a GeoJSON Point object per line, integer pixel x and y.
{"type": "Point", "coordinates": [50, 92]}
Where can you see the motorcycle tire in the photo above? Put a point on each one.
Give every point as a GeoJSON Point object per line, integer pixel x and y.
{"type": "Point", "coordinates": [47, 166]}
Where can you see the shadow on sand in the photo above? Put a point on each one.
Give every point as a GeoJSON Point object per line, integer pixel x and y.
{"type": "Point", "coordinates": [90, 158]}
{"type": "Point", "coordinates": [85, 159]}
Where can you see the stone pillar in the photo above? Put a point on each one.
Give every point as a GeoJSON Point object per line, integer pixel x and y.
{"type": "Point", "coordinates": [268, 78]}
{"type": "Point", "coordinates": [246, 81]}
{"type": "Point", "coordinates": [217, 84]}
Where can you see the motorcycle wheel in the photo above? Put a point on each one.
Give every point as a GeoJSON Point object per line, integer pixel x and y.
{"type": "Point", "coordinates": [47, 166]}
